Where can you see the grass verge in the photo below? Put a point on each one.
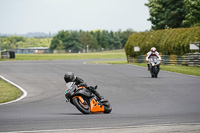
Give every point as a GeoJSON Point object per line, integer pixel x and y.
{"type": "Point", "coordinates": [8, 92]}
{"type": "Point", "coordinates": [189, 70]}
{"type": "Point", "coordinates": [98, 55]}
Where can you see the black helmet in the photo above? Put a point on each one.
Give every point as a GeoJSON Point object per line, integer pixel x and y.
{"type": "Point", "coordinates": [69, 77]}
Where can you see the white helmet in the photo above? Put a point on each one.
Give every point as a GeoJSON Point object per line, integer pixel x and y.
{"type": "Point", "coordinates": [153, 49]}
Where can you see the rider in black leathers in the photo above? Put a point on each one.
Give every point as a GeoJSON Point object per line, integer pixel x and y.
{"type": "Point", "coordinates": [70, 77]}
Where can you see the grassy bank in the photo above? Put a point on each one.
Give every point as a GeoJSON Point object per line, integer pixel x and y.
{"type": "Point", "coordinates": [8, 92]}
{"type": "Point", "coordinates": [190, 70]}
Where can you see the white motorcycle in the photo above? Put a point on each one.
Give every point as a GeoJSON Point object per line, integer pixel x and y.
{"type": "Point", "coordinates": [154, 64]}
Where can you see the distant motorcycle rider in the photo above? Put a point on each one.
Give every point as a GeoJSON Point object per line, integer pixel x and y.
{"type": "Point", "coordinates": [151, 53]}
{"type": "Point", "coordinates": [70, 77]}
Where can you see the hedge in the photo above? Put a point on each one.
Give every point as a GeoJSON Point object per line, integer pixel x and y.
{"type": "Point", "coordinates": [167, 42]}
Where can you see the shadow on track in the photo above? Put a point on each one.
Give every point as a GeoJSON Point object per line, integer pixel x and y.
{"type": "Point", "coordinates": [77, 114]}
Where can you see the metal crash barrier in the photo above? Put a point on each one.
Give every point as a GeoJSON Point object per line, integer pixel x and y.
{"type": "Point", "coordinates": [190, 59]}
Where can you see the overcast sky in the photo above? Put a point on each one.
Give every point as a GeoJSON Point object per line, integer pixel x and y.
{"type": "Point", "coordinates": [22, 16]}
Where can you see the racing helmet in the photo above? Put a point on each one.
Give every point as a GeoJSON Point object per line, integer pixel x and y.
{"type": "Point", "coordinates": [153, 49]}
{"type": "Point", "coordinates": [69, 77]}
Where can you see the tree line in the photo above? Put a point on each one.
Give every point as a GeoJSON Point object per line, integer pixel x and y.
{"type": "Point", "coordinates": [81, 41]}
{"type": "Point", "coordinates": [166, 14]}
{"type": "Point", "coordinates": [71, 41]}
{"type": "Point", "coordinates": [14, 42]}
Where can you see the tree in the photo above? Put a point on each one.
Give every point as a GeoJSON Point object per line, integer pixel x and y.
{"type": "Point", "coordinates": [77, 47]}
{"type": "Point", "coordinates": [125, 35]}
{"type": "Point", "coordinates": [60, 46]}
{"type": "Point", "coordinates": [104, 41]}
{"type": "Point", "coordinates": [88, 40]}
{"type": "Point", "coordinates": [76, 41]}
{"type": "Point", "coordinates": [61, 41]}
{"type": "Point", "coordinates": [12, 42]}
{"type": "Point", "coordinates": [192, 13]}
{"type": "Point", "coordinates": [166, 13]}
{"type": "Point", "coordinates": [117, 40]}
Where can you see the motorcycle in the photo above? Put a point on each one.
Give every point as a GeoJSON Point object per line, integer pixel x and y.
{"type": "Point", "coordinates": [84, 100]}
{"type": "Point", "coordinates": [154, 66]}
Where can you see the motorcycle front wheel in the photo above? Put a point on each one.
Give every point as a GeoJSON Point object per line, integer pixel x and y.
{"type": "Point", "coordinates": [82, 107]}
{"type": "Point", "coordinates": [154, 72]}
{"type": "Point", "coordinates": [107, 108]}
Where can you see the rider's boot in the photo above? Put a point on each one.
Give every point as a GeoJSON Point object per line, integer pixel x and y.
{"type": "Point", "coordinates": [148, 67]}
{"type": "Point", "coordinates": [99, 97]}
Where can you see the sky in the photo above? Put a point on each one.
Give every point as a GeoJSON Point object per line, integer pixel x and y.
{"type": "Point", "coordinates": [23, 16]}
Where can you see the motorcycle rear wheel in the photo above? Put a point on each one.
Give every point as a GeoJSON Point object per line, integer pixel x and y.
{"type": "Point", "coordinates": [82, 107]}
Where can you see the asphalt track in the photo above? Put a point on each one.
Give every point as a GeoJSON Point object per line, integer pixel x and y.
{"type": "Point", "coordinates": [136, 98]}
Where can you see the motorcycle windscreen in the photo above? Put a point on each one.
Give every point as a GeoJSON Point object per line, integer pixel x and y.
{"type": "Point", "coordinates": [69, 86]}
{"type": "Point", "coordinates": [95, 107]}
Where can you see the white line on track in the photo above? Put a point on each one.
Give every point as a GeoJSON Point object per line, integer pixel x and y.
{"type": "Point", "coordinates": [23, 95]}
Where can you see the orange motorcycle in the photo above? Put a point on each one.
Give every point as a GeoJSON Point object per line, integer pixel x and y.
{"type": "Point", "coordinates": [85, 101]}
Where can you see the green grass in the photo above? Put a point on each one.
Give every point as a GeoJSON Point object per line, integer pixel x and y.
{"type": "Point", "coordinates": [98, 55]}
{"type": "Point", "coordinates": [8, 92]}
{"type": "Point", "coordinates": [190, 70]}
{"type": "Point", "coordinates": [110, 62]}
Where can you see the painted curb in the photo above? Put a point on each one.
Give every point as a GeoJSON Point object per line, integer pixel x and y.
{"type": "Point", "coordinates": [23, 91]}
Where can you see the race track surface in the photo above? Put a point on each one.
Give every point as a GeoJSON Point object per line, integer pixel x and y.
{"type": "Point", "coordinates": [136, 98]}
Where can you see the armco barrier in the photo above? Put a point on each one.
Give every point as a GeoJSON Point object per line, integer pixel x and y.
{"type": "Point", "coordinates": [191, 59]}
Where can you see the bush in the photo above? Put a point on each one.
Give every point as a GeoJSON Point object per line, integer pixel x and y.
{"type": "Point", "coordinates": [168, 41]}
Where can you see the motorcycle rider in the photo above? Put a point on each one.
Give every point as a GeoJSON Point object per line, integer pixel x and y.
{"type": "Point", "coordinates": [151, 53]}
{"type": "Point", "coordinates": [70, 77]}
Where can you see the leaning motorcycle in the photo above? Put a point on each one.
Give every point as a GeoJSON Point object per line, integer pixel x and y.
{"type": "Point", "coordinates": [154, 66]}
{"type": "Point", "coordinates": [84, 100]}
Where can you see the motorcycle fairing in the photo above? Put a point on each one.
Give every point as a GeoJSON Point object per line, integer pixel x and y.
{"type": "Point", "coordinates": [83, 92]}
{"type": "Point", "coordinates": [95, 107]}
